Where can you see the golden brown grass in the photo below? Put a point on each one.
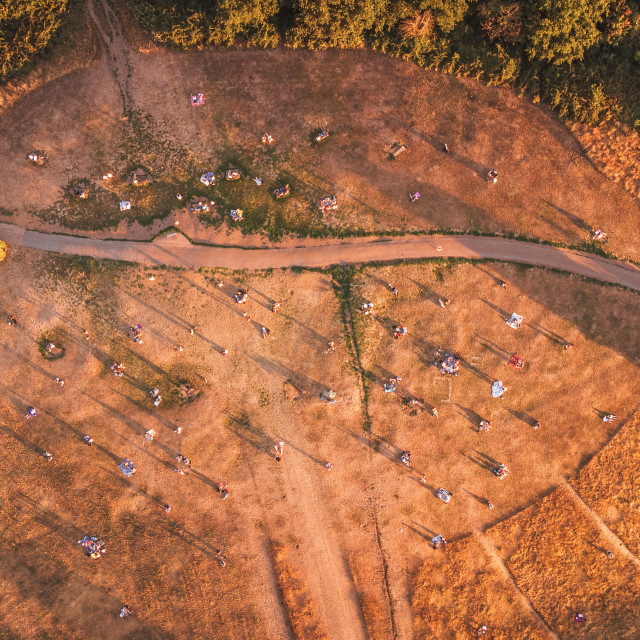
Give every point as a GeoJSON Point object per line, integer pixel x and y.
{"type": "Point", "coordinates": [301, 611]}
{"type": "Point", "coordinates": [557, 558]}
{"type": "Point", "coordinates": [165, 566]}
{"type": "Point", "coordinates": [614, 149]}
{"type": "Point", "coordinates": [610, 485]}
{"type": "Point", "coordinates": [464, 592]}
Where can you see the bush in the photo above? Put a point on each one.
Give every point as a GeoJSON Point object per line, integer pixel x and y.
{"type": "Point", "coordinates": [3, 250]}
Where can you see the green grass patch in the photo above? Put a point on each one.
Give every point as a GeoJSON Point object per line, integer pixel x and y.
{"type": "Point", "coordinates": [50, 346]}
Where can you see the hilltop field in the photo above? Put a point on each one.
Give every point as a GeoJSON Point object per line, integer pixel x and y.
{"type": "Point", "coordinates": [311, 552]}
{"type": "Point", "coordinates": [332, 538]}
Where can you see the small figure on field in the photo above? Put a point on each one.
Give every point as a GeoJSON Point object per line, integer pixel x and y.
{"type": "Point", "coordinates": [405, 458]}
{"type": "Point", "coordinates": [400, 332]}
{"type": "Point", "coordinates": [125, 612]}
{"type": "Point", "coordinates": [167, 508]}
{"type": "Point", "coordinates": [609, 554]}
{"type": "Point", "coordinates": [566, 346]}
{"type": "Point", "coordinates": [609, 417]}
{"type": "Point", "coordinates": [265, 332]}
{"type": "Point", "coordinates": [393, 289]}
{"type": "Point", "coordinates": [224, 352]}
{"type": "Point", "coordinates": [434, 412]}
{"type": "Point", "coordinates": [331, 347]}
{"type": "Point", "coordinates": [11, 321]}
{"type": "Point", "coordinates": [88, 440]}
{"type": "Point", "coordinates": [484, 426]}
{"type": "Point", "coordinates": [328, 466]}
{"type": "Point", "coordinates": [492, 176]}
{"type": "Point", "coordinates": [536, 424]}
{"type": "Point", "coordinates": [502, 283]}
{"type": "Point", "coordinates": [275, 306]}
{"type": "Point", "coordinates": [414, 196]}
{"type": "Point", "coordinates": [489, 505]}
{"type": "Point", "coordinates": [445, 148]}
{"type": "Point", "coordinates": [598, 236]}
{"type": "Point", "coordinates": [444, 302]}
{"type": "Point", "coordinates": [59, 382]}
{"type": "Point", "coordinates": [47, 456]}
{"type": "Point", "coordinates": [279, 449]}
{"type": "Point", "coordinates": [85, 334]}
{"type": "Point", "coordinates": [482, 631]}
{"type": "Point", "coordinates": [32, 412]}
{"type": "Point", "coordinates": [367, 308]}
{"type": "Point", "coordinates": [223, 490]}
{"type": "Point", "coordinates": [578, 617]}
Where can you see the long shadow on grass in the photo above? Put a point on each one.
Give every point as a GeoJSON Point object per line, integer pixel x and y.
{"type": "Point", "coordinates": [25, 442]}
{"type": "Point", "coordinates": [427, 292]}
{"type": "Point", "coordinates": [38, 575]}
{"type": "Point", "coordinates": [481, 459]}
{"type": "Point", "coordinates": [574, 219]}
{"type": "Point", "coordinates": [471, 416]}
{"type": "Point", "coordinates": [242, 427]}
{"type": "Point", "coordinates": [547, 333]}
{"type": "Point", "coordinates": [494, 348]}
{"type": "Point", "coordinates": [501, 312]}
{"type": "Point", "coordinates": [522, 415]}
{"type": "Point", "coordinates": [303, 381]}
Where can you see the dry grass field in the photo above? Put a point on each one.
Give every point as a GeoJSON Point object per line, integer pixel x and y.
{"type": "Point", "coordinates": [547, 188]}
{"type": "Point", "coordinates": [309, 552]}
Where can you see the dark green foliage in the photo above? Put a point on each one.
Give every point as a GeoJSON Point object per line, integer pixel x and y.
{"type": "Point", "coordinates": [27, 27]}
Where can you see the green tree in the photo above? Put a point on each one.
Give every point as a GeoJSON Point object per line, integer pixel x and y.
{"type": "Point", "coordinates": [560, 31]}
{"type": "Point", "coordinates": [321, 24]}
{"type": "Point", "coordinates": [446, 13]}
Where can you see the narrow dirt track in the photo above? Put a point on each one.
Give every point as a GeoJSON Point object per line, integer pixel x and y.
{"type": "Point", "coordinates": [173, 249]}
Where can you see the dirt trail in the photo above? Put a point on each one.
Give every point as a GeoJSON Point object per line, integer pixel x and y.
{"type": "Point", "coordinates": [504, 570]}
{"type": "Point", "coordinates": [612, 538]}
{"type": "Point", "coordinates": [329, 583]}
{"type": "Point", "coordinates": [174, 249]}
{"type": "Point", "coordinates": [116, 49]}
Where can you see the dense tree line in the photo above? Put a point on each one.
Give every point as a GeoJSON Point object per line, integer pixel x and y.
{"type": "Point", "coordinates": [582, 57]}
{"type": "Point", "coordinates": [27, 28]}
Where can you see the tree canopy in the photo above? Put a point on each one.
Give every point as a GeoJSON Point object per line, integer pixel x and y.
{"type": "Point", "coordinates": [26, 29]}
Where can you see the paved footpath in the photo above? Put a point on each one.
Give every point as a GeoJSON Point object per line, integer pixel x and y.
{"type": "Point", "coordinates": [173, 249]}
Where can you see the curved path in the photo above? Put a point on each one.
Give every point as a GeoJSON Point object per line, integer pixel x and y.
{"type": "Point", "coordinates": [174, 249]}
